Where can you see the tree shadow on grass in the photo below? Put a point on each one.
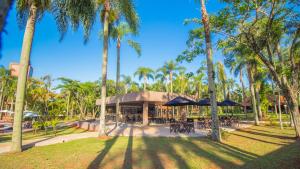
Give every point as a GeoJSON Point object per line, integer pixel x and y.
{"type": "Point", "coordinates": [267, 135]}
{"type": "Point", "coordinates": [167, 147]}
{"type": "Point", "coordinates": [256, 139]}
{"type": "Point", "coordinates": [219, 161]}
{"type": "Point", "coordinates": [128, 154]}
{"type": "Point", "coordinates": [286, 157]}
{"type": "Point", "coordinates": [108, 145]}
{"type": "Point", "coordinates": [233, 151]}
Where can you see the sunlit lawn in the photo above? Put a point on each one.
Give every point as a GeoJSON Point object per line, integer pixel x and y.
{"type": "Point", "coordinates": [42, 134]}
{"type": "Point", "coordinates": [256, 147]}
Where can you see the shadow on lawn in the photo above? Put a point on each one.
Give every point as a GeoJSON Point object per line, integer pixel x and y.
{"type": "Point", "coordinates": [261, 133]}
{"type": "Point", "coordinates": [286, 157]}
{"type": "Point", "coordinates": [108, 145]}
{"type": "Point", "coordinates": [128, 154]}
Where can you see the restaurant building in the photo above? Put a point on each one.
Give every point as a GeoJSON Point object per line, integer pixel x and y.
{"type": "Point", "coordinates": [140, 106]}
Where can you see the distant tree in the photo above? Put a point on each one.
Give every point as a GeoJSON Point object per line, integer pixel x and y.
{"type": "Point", "coordinates": [144, 73]}
{"type": "Point", "coordinates": [270, 30]}
{"type": "Point", "coordinates": [170, 67]}
{"type": "Point", "coordinates": [222, 78]}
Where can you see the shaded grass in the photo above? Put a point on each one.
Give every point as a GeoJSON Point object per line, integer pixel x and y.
{"type": "Point", "coordinates": [255, 147]}
{"type": "Point", "coordinates": [42, 134]}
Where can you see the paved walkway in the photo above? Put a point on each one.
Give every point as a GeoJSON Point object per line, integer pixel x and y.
{"type": "Point", "coordinates": [122, 130]}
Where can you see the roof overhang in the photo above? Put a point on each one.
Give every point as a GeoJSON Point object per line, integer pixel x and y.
{"type": "Point", "coordinates": [137, 97]}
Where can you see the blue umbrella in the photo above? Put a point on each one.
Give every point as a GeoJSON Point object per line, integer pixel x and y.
{"type": "Point", "coordinates": [205, 102]}
{"type": "Point", "coordinates": [228, 102]}
{"type": "Point", "coordinates": [180, 101]}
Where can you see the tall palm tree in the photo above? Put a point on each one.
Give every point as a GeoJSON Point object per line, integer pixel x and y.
{"type": "Point", "coordinates": [113, 9]}
{"type": "Point", "coordinates": [216, 134]}
{"type": "Point", "coordinates": [170, 67]}
{"type": "Point", "coordinates": [119, 32]}
{"type": "Point", "coordinates": [252, 91]}
{"type": "Point", "coordinates": [31, 9]}
{"type": "Point", "coordinates": [144, 73]}
{"type": "Point", "coordinates": [5, 6]}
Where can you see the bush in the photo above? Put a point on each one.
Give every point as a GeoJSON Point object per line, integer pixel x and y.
{"type": "Point", "coordinates": [36, 125]}
{"type": "Point", "coordinates": [224, 134]}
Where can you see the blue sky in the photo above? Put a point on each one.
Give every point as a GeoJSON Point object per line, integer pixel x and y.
{"type": "Point", "coordinates": [162, 36]}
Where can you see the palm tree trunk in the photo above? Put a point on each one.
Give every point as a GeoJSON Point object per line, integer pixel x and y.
{"type": "Point", "coordinates": [22, 78]}
{"type": "Point", "coordinates": [279, 108]}
{"type": "Point", "coordinates": [252, 91]}
{"type": "Point", "coordinates": [171, 82]}
{"type": "Point", "coordinates": [145, 83]}
{"type": "Point", "coordinates": [118, 81]}
{"type": "Point", "coordinates": [216, 135]}
{"type": "Point", "coordinates": [275, 106]}
{"type": "Point", "coordinates": [257, 96]}
{"type": "Point", "coordinates": [12, 104]}
{"type": "Point", "coordinates": [243, 90]}
{"type": "Point", "coordinates": [68, 103]}
{"type": "Point", "coordinates": [104, 69]}
{"type": "Point", "coordinates": [1, 93]}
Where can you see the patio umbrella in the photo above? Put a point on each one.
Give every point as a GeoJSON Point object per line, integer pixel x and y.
{"type": "Point", "coordinates": [228, 102]}
{"type": "Point", "coordinates": [231, 103]}
{"type": "Point", "coordinates": [180, 101]}
{"type": "Point", "coordinates": [205, 102]}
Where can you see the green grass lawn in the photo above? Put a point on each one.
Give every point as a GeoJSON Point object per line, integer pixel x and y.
{"type": "Point", "coordinates": [255, 147]}
{"type": "Point", "coordinates": [42, 134]}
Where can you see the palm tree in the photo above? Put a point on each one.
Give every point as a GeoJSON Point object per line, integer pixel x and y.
{"type": "Point", "coordinates": [69, 87]}
{"type": "Point", "coordinates": [33, 10]}
{"type": "Point", "coordinates": [182, 81]}
{"type": "Point", "coordinates": [4, 78]}
{"type": "Point", "coordinates": [127, 81]}
{"type": "Point", "coordinates": [144, 73]}
{"type": "Point", "coordinates": [5, 6]}
{"type": "Point", "coordinates": [170, 67]}
{"type": "Point", "coordinates": [216, 134]}
{"type": "Point", "coordinates": [222, 77]}
{"type": "Point", "coordinates": [162, 75]}
{"type": "Point", "coordinates": [119, 32]}
{"type": "Point", "coordinates": [197, 83]}
{"type": "Point", "coordinates": [113, 9]}
{"type": "Point", "coordinates": [252, 91]}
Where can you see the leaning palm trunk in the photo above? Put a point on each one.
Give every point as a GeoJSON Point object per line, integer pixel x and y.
{"type": "Point", "coordinates": [250, 76]}
{"type": "Point", "coordinates": [104, 69]}
{"type": "Point", "coordinates": [22, 78]}
{"type": "Point", "coordinates": [216, 135]}
{"type": "Point", "coordinates": [118, 81]}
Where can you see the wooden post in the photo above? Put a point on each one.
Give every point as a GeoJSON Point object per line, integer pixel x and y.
{"type": "Point", "coordinates": [145, 113]}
